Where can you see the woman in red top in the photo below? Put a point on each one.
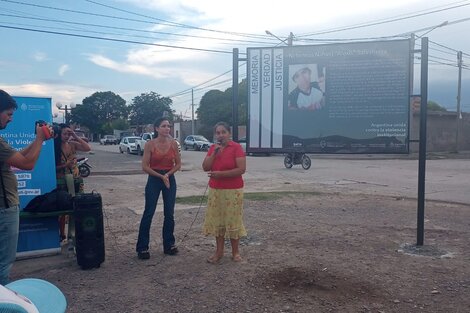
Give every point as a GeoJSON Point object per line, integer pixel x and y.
{"type": "Point", "coordinates": [225, 163]}
{"type": "Point", "coordinates": [161, 160]}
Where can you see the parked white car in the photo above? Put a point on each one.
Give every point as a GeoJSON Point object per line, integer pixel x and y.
{"type": "Point", "coordinates": [140, 143]}
{"type": "Point", "coordinates": [128, 144]}
{"type": "Point", "coordinates": [109, 140]}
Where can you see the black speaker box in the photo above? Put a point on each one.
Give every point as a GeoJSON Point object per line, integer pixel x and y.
{"type": "Point", "coordinates": [89, 230]}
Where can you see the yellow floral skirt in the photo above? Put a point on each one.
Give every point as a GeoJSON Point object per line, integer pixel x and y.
{"type": "Point", "coordinates": [224, 213]}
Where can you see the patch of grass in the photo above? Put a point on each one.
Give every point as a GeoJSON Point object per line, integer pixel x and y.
{"type": "Point", "coordinates": [252, 196]}
{"type": "Point", "coordinates": [191, 200]}
{"type": "Point", "coordinates": [262, 196]}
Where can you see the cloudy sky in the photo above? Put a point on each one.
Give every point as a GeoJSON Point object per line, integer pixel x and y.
{"type": "Point", "coordinates": [69, 49]}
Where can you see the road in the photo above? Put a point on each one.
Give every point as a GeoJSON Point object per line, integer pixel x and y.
{"type": "Point", "coordinates": [446, 179]}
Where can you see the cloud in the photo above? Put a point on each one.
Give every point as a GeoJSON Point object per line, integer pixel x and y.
{"type": "Point", "coordinates": [241, 16]}
{"type": "Point", "coordinates": [257, 16]}
{"type": "Point", "coordinates": [63, 93]}
{"type": "Point", "coordinates": [40, 56]}
{"type": "Point", "coordinates": [125, 67]}
{"type": "Point", "coordinates": [63, 68]}
{"type": "Point", "coordinates": [147, 62]}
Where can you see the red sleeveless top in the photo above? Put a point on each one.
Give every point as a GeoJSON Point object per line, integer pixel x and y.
{"type": "Point", "coordinates": [162, 161]}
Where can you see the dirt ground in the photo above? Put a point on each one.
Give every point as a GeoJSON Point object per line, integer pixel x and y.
{"type": "Point", "coordinates": [324, 252]}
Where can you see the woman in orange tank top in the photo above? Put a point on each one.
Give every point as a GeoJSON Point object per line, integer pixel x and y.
{"type": "Point", "coordinates": [160, 161]}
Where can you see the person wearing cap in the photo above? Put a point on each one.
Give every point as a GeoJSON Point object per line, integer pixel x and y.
{"type": "Point", "coordinates": [9, 201]}
{"type": "Point", "coordinates": [307, 95]}
{"type": "Point", "coordinates": [31, 295]}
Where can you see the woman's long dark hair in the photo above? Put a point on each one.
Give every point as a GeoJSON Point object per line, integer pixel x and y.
{"type": "Point", "coordinates": [157, 123]}
{"type": "Point", "coordinates": [58, 142]}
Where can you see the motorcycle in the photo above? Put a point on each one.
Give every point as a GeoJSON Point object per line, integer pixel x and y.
{"type": "Point", "coordinates": [84, 167]}
{"type": "Point", "coordinates": [293, 158]}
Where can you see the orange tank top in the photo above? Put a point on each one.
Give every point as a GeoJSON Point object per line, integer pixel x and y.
{"type": "Point", "coordinates": [162, 161]}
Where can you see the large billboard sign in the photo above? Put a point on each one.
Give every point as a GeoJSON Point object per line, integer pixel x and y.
{"type": "Point", "coordinates": [338, 98]}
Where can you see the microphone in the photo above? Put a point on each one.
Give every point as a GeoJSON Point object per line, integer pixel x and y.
{"type": "Point", "coordinates": [217, 148]}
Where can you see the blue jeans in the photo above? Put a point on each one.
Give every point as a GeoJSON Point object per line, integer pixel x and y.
{"type": "Point", "coordinates": [9, 225]}
{"type": "Point", "coordinates": [153, 188]}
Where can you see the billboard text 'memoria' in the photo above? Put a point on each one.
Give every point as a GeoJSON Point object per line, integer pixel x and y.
{"type": "Point", "coordinates": [338, 98]}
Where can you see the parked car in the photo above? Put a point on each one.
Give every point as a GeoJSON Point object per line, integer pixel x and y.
{"type": "Point", "coordinates": [140, 143]}
{"type": "Point", "coordinates": [109, 140]}
{"type": "Point", "coordinates": [196, 142]}
{"type": "Point", "coordinates": [128, 144]}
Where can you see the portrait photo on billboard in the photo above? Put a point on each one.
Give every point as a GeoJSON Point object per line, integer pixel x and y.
{"type": "Point", "coordinates": [306, 87]}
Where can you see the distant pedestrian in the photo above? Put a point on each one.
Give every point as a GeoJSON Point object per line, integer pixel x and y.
{"type": "Point", "coordinates": [161, 160]}
{"type": "Point", "coordinates": [225, 163]}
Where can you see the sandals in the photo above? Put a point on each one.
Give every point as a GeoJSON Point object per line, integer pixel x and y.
{"type": "Point", "coordinates": [214, 259]}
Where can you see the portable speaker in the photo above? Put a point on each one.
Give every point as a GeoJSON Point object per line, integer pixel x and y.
{"type": "Point", "coordinates": [89, 230]}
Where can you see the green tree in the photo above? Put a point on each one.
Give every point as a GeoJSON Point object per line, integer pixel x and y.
{"type": "Point", "coordinates": [99, 109]}
{"type": "Point", "coordinates": [434, 106]}
{"type": "Point", "coordinates": [120, 124]}
{"type": "Point", "coordinates": [216, 106]}
{"type": "Point", "coordinates": [147, 107]}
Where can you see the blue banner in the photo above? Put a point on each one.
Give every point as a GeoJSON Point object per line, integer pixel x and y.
{"type": "Point", "coordinates": [39, 235]}
{"type": "Point", "coordinates": [19, 134]}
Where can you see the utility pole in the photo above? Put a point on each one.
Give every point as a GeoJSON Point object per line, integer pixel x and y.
{"type": "Point", "coordinates": [459, 90]}
{"type": "Point", "coordinates": [192, 111]}
{"type": "Point", "coordinates": [412, 98]}
{"type": "Point", "coordinates": [290, 39]}
{"type": "Point", "coordinates": [235, 94]}
{"type": "Point", "coordinates": [422, 140]}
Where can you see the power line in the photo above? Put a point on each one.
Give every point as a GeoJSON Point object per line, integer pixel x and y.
{"type": "Point", "coordinates": [79, 12]}
{"type": "Point", "coordinates": [443, 46]}
{"type": "Point", "coordinates": [345, 40]}
{"type": "Point", "coordinates": [178, 24]}
{"type": "Point", "coordinates": [90, 31]}
{"type": "Point", "coordinates": [114, 40]}
{"type": "Point", "coordinates": [208, 81]}
{"type": "Point", "coordinates": [130, 29]}
{"type": "Point", "coordinates": [228, 42]}
{"type": "Point", "coordinates": [201, 90]}
{"type": "Point", "coordinates": [380, 22]}
{"type": "Point", "coordinates": [166, 23]}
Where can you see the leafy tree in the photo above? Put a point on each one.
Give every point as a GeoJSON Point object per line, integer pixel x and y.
{"type": "Point", "coordinates": [99, 109]}
{"type": "Point", "coordinates": [216, 106]}
{"type": "Point", "coordinates": [120, 124]}
{"type": "Point", "coordinates": [147, 107]}
{"type": "Point", "coordinates": [434, 106]}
